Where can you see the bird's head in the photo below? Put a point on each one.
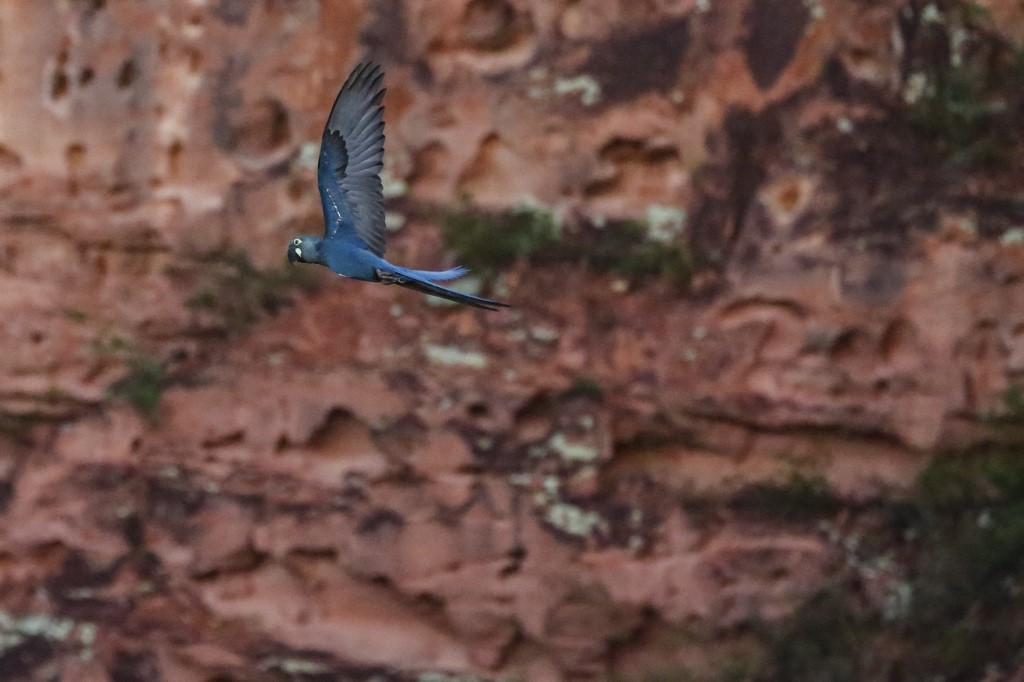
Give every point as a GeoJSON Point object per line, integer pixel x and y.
{"type": "Point", "coordinates": [304, 250]}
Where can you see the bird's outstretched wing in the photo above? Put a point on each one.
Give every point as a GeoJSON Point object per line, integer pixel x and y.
{"type": "Point", "coordinates": [351, 158]}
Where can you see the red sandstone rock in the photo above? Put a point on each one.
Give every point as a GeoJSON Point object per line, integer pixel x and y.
{"type": "Point", "coordinates": [361, 480]}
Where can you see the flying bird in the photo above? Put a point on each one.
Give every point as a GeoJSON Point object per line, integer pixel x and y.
{"type": "Point", "coordinates": [348, 175]}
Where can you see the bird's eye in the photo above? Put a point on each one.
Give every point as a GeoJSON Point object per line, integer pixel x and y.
{"type": "Point", "coordinates": [297, 242]}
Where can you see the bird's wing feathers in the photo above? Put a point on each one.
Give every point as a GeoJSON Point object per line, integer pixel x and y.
{"type": "Point", "coordinates": [352, 153]}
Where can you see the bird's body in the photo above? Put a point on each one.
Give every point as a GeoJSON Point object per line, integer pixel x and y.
{"type": "Point", "coordinates": [348, 175]}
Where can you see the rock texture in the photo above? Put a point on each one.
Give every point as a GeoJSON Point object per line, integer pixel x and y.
{"type": "Point", "coordinates": [359, 485]}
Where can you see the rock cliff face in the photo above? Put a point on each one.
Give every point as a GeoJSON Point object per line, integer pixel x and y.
{"type": "Point", "coordinates": [213, 468]}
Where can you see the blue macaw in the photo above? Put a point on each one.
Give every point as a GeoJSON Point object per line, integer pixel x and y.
{"type": "Point", "coordinates": [351, 158]}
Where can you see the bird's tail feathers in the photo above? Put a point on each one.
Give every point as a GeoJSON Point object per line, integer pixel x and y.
{"type": "Point", "coordinates": [435, 275]}
{"type": "Point", "coordinates": [431, 289]}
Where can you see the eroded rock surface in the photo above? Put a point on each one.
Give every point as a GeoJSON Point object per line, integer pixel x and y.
{"type": "Point", "coordinates": [350, 483]}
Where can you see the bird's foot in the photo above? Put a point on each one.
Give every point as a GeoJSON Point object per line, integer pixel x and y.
{"type": "Point", "coordinates": [388, 277]}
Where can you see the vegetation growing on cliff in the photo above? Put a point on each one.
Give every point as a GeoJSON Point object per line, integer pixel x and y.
{"type": "Point", "coordinates": [143, 384]}
{"type": "Point", "coordinates": [965, 89]}
{"type": "Point", "coordinates": [238, 293]}
{"type": "Point", "coordinates": [929, 584]}
{"type": "Point", "coordinates": [955, 613]}
{"type": "Point", "coordinates": [488, 241]}
{"type": "Point", "coordinates": [800, 498]}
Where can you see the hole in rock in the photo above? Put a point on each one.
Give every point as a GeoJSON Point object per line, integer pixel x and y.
{"type": "Point", "coordinates": [59, 87]}
{"type": "Point", "coordinates": [126, 75]}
